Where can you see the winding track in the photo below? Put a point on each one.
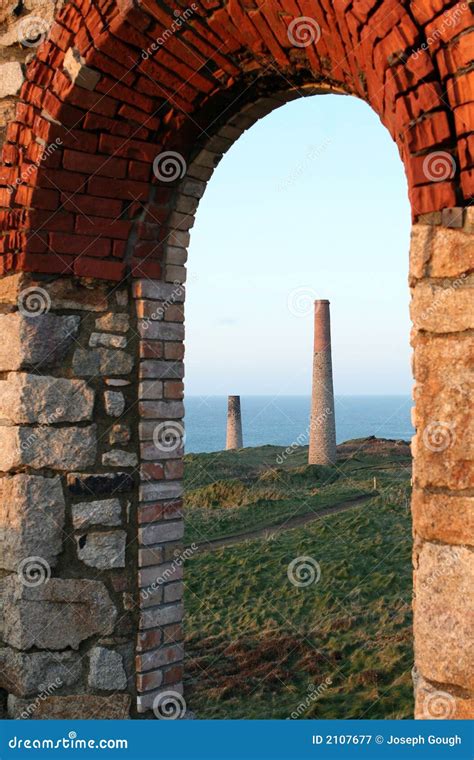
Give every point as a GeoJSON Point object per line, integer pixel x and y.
{"type": "Point", "coordinates": [268, 531]}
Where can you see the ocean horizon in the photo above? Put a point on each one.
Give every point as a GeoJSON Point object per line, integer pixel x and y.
{"type": "Point", "coordinates": [283, 420]}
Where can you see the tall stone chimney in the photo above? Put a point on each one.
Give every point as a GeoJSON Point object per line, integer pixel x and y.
{"type": "Point", "coordinates": [322, 436]}
{"type": "Point", "coordinates": [234, 424]}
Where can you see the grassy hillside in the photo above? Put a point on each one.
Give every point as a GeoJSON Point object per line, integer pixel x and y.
{"type": "Point", "coordinates": [339, 647]}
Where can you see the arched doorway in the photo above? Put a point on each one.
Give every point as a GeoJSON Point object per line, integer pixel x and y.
{"type": "Point", "coordinates": [90, 192]}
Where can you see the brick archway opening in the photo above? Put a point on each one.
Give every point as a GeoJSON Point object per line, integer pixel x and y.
{"type": "Point", "coordinates": [125, 110]}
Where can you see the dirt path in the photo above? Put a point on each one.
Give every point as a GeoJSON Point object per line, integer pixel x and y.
{"type": "Point", "coordinates": [272, 530]}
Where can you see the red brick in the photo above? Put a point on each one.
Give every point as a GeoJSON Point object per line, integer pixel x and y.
{"type": "Point", "coordinates": [146, 269]}
{"type": "Point", "coordinates": [173, 675]}
{"type": "Point", "coordinates": [466, 151]}
{"type": "Point", "coordinates": [432, 130]}
{"type": "Point", "coordinates": [149, 640]}
{"type": "Point", "coordinates": [134, 149]}
{"type": "Point", "coordinates": [125, 94]}
{"type": "Point", "coordinates": [119, 248]}
{"type": "Point", "coordinates": [82, 244]}
{"type": "Point", "coordinates": [87, 204]}
{"type": "Point", "coordinates": [58, 179]}
{"type": "Point", "coordinates": [121, 188]}
{"type": "Point", "coordinates": [154, 472]}
{"type": "Point", "coordinates": [95, 225]}
{"type": "Point", "coordinates": [116, 168]}
{"type": "Point", "coordinates": [58, 222]}
{"type": "Point", "coordinates": [105, 270]}
{"type": "Point", "coordinates": [467, 183]}
{"type": "Point", "coordinates": [49, 263]}
{"type": "Point", "coordinates": [151, 349]}
{"type": "Point", "coordinates": [139, 171]}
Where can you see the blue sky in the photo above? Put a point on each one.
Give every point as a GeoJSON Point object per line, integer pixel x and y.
{"type": "Point", "coordinates": [311, 202]}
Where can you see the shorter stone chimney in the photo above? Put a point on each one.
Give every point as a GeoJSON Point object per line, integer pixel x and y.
{"type": "Point", "coordinates": [234, 424]}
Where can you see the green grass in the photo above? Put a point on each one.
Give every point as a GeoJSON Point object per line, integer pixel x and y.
{"type": "Point", "coordinates": [259, 647]}
{"type": "Point", "coordinates": [231, 492]}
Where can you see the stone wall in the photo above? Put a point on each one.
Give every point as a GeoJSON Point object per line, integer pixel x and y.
{"type": "Point", "coordinates": [102, 172]}
{"type": "Point", "coordinates": [68, 461]}
{"type": "Point", "coordinates": [442, 258]}
{"type": "Point", "coordinates": [91, 446]}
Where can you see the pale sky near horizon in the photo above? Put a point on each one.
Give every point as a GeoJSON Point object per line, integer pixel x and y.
{"type": "Point", "coordinates": [311, 202]}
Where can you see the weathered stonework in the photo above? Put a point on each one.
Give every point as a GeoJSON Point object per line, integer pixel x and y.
{"type": "Point", "coordinates": [56, 614]}
{"type": "Point", "coordinates": [74, 707]}
{"type": "Point", "coordinates": [106, 670]}
{"type": "Point", "coordinates": [102, 550]}
{"type": "Point", "coordinates": [28, 398]}
{"type": "Point", "coordinates": [32, 511]}
{"type": "Point", "coordinates": [107, 512]}
{"type": "Point", "coordinates": [56, 462]}
{"type": "Point", "coordinates": [21, 672]}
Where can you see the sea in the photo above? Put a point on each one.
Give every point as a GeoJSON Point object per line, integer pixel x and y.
{"type": "Point", "coordinates": [283, 420]}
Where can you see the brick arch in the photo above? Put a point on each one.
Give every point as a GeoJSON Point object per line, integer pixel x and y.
{"type": "Point", "coordinates": [116, 85]}
{"type": "Point", "coordinates": [125, 101]}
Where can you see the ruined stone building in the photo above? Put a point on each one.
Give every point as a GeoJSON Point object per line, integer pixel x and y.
{"type": "Point", "coordinates": [114, 114]}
